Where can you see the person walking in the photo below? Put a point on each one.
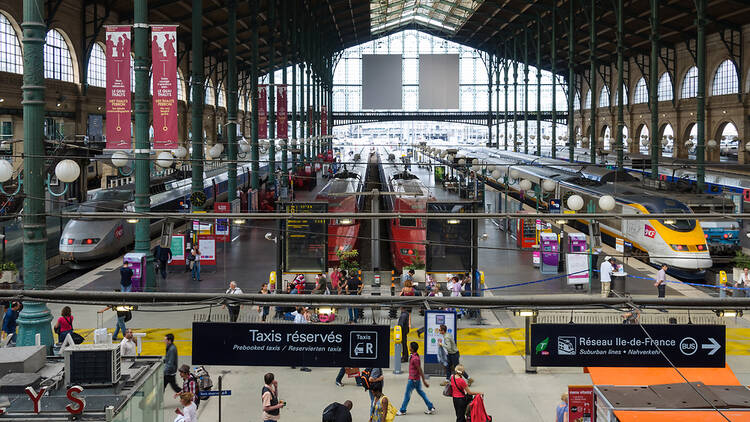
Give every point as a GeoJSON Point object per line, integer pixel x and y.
{"type": "Point", "coordinates": [126, 277]}
{"type": "Point", "coordinates": [374, 381]}
{"type": "Point", "coordinates": [301, 316]}
{"type": "Point", "coordinates": [189, 384]}
{"type": "Point", "coordinates": [270, 399]}
{"type": "Point", "coordinates": [462, 396]}
{"type": "Point", "coordinates": [9, 322]}
{"type": "Point", "coordinates": [170, 363]}
{"type": "Point", "coordinates": [264, 309]}
{"type": "Point", "coordinates": [451, 350]}
{"type": "Point", "coordinates": [404, 321]}
{"type": "Point", "coordinates": [234, 308]}
{"type": "Point", "coordinates": [163, 256]}
{"type": "Point", "coordinates": [123, 315]}
{"type": "Point", "coordinates": [605, 275]}
{"type": "Point", "coordinates": [415, 375]}
{"type": "Point", "coordinates": [661, 281]}
{"type": "Point", "coordinates": [128, 348]}
{"type": "Point", "coordinates": [195, 263]}
{"type": "Point", "coordinates": [189, 411]}
{"type": "Point", "coordinates": [338, 412]}
{"type": "Point", "coordinates": [379, 410]}
{"type": "Point", "coordinates": [64, 324]}
{"type": "Point", "coordinates": [354, 288]}
{"type": "Point", "coordinates": [561, 412]}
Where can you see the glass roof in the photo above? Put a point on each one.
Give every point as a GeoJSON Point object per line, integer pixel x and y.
{"type": "Point", "coordinates": [443, 15]}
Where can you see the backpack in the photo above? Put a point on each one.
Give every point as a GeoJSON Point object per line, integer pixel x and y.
{"type": "Point", "coordinates": [202, 379]}
{"type": "Point", "coordinates": [391, 414]}
{"type": "Point", "coordinates": [192, 377]}
{"type": "Point", "coordinates": [329, 413]}
{"type": "Point", "coordinates": [364, 378]}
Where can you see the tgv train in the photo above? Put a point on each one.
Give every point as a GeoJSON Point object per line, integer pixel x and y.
{"type": "Point", "coordinates": [678, 242]}
{"type": "Point", "coordinates": [342, 194]}
{"type": "Point", "coordinates": [87, 242]}
{"type": "Point", "coordinates": [406, 194]}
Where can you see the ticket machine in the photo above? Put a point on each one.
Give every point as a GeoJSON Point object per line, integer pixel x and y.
{"type": "Point", "coordinates": [577, 259]}
{"type": "Point", "coordinates": [137, 261]}
{"type": "Point", "coordinates": [550, 250]}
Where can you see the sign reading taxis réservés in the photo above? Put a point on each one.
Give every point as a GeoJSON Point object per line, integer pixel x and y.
{"type": "Point", "coordinates": [623, 345]}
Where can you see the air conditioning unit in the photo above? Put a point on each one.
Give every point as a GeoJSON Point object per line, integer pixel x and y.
{"type": "Point", "coordinates": [92, 364]}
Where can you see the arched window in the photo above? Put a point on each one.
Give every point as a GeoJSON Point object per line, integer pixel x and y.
{"type": "Point", "coordinates": [664, 91]}
{"type": "Point", "coordinates": [587, 102]}
{"type": "Point", "coordinates": [209, 96]}
{"type": "Point", "coordinates": [725, 79]}
{"type": "Point", "coordinates": [222, 97]}
{"type": "Point", "coordinates": [577, 101]}
{"type": "Point", "coordinates": [604, 97]}
{"type": "Point", "coordinates": [641, 92]}
{"type": "Point", "coordinates": [96, 75]}
{"type": "Point", "coordinates": [57, 61]}
{"type": "Point", "coordinates": [10, 48]}
{"type": "Point", "coordinates": [690, 84]}
{"type": "Point", "coordinates": [615, 100]}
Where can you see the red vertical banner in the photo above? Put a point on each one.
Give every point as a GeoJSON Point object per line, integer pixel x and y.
{"type": "Point", "coordinates": [324, 120]}
{"type": "Point", "coordinates": [309, 120]}
{"type": "Point", "coordinates": [164, 65]}
{"type": "Point", "coordinates": [281, 116]}
{"type": "Point", "coordinates": [118, 87]}
{"type": "Point", "coordinates": [262, 112]}
{"type": "Point", "coordinates": [581, 403]}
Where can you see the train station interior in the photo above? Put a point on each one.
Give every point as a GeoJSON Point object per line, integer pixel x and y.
{"type": "Point", "coordinates": [550, 196]}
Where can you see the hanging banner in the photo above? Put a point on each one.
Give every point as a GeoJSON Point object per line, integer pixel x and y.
{"type": "Point", "coordinates": [262, 112]}
{"type": "Point", "coordinates": [324, 120]}
{"type": "Point", "coordinates": [222, 224]}
{"type": "Point", "coordinates": [309, 121]}
{"type": "Point", "coordinates": [118, 87]}
{"type": "Point", "coordinates": [281, 116]}
{"type": "Point", "coordinates": [164, 65]}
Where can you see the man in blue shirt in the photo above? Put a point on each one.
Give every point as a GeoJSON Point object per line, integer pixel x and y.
{"type": "Point", "coordinates": [9, 322]}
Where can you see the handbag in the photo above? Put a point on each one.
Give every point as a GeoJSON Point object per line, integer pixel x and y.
{"type": "Point", "coordinates": [448, 390]}
{"type": "Point", "coordinates": [77, 338]}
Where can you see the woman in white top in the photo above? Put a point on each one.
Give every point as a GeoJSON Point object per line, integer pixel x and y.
{"type": "Point", "coordinates": [743, 282]}
{"type": "Point", "coordinates": [189, 411]}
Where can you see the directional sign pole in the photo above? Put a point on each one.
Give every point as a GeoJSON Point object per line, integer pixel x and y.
{"type": "Point", "coordinates": [220, 377]}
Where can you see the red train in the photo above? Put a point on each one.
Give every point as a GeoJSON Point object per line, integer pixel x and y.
{"type": "Point", "coordinates": [407, 194]}
{"type": "Point", "coordinates": [341, 194]}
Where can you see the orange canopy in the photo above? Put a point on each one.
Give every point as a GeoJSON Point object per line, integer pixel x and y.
{"type": "Point", "coordinates": [651, 376]}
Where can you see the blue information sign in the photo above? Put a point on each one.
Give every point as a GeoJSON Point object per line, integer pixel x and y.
{"type": "Point", "coordinates": [212, 393]}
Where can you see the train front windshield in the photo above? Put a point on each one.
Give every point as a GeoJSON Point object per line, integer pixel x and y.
{"type": "Point", "coordinates": [674, 207]}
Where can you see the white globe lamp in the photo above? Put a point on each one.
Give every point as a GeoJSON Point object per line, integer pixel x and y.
{"type": "Point", "coordinates": [120, 159]}
{"type": "Point", "coordinates": [180, 152]}
{"type": "Point", "coordinates": [496, 174]}
{"type": "Point", "coordinates": [575, 202]}
{"type": "Point", "coordinates": [607, 203]}
{"type": "Point", "coordinates": [525, 185]}
{"type": "Point", "coordinates": [548, 185]}
{"type": "Point", "coordinates": [461, 162]}
{"type": "Point", "coordinates": [514, 174]}
{"type": "Point", "coordinates": [6, 171]}
{"type": "Point", "coordinates": [164, 159]}
{"type": "Point", "coordinates": [67, 171]}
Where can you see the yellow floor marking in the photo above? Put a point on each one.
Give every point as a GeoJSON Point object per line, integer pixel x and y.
{"type": "Point", "coordinates": [471, 341]}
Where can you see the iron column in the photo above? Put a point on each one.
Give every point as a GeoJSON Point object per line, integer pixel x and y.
{"type": "Point", "coordinates": [506, 67]}
{"type": "Point", "coordinates": [620, 83]}
{"type": "Point", "coordinates": [142, 143]}
{"type": "Point", "coordinates": [592, 84]}
{"type": "Point", "coordinates": [254, 152]}
{"type": "Point", "coordinates": [35, 317]}
{"type": "Point", "coordinates": [271, 94]}
{"type": "Point", "coordinates": [285, 56]}
{"type": "Point", "coordinates": [515, 96]}
{"type": "Point", "coordinates": [654, 89]}
{"type": "Point", "coordinates": [553, 52]}
{"type": "Point", "coordinates": [197, 90]}
{"type": "Point", "coordinates": [525, 91]}
{"type": "Point", "coordinates": [232, 102]}
{"type": "Point", "coordinates": [571, 82]}
{"type": "Point", "coordinates": [700, 114]}
{"type": "Point", "coordinates": [539, 86]}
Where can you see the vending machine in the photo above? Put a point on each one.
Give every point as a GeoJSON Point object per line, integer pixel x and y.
{"type": "Point", "coordinates": [577, 259]}
{"type": "Point", "coordinates": [550, 251]}
{"type": "Point", "coordinates": [137, 261]}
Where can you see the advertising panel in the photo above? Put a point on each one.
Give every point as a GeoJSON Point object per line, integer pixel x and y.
{"type": "Point", "coordinates": [581, 403]}
{"type": "Point", "coordinates": [164, 68]}
{"type": "Point", "coordinates": [207, 246]}
{"type": "Point", "coordinates": [118, 87]}
{"type": "Point", "coordinates": [282, 124]}
{"type": "Point", "coordinates": [262, 112]}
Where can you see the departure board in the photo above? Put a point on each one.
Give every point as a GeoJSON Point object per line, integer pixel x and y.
{"type": "Point", "coordinates": [449, 241]}
{"type": "Point", "coordinates": [305, 242]}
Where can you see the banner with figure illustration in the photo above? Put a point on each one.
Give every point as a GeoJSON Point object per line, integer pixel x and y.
{"type": "Point", "coordinates": [281, 116]}
{"type": "Point", "coordinates": [262, 112]}
{"type": "Point", "coordinates": [118, 87]}
{"type": "Point", "coordinates": [324, 120]}
{"type": "Point", "coordinates": [164, 79]}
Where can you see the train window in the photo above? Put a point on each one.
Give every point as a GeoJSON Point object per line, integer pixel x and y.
{"type": "Point", "coordinates": [407, 222]}
{"type": "Point", "coordinates": [680, 225]}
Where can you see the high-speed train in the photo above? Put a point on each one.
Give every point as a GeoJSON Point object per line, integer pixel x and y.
{"type": "Point", "coordinates": [87, 242]}
{"type": "Point", "coordinates": [406, 194]}
{"type": "Point", "coordinates": [679, 242]}
{"type": "Point", "coordinates": [341, 193]}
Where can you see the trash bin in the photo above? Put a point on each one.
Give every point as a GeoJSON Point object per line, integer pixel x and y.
{"type": "Point", "coordinates": [619, 281]}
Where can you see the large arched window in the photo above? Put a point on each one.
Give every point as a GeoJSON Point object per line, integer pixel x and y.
{"type": "Point", "coordinates": [10, 48]}
{"type": "Point", "coordinates": [615, 100]}
{"type": "Point", "coordinates": [222, 97]}
{"type": "Point", "coordinates": [57, 61]}
{"type": "Point", "coordinates": [604, 97]}
{"type": "Point", "coordinates": [577, 101]}
{"type": "Point", "coordinates": [96, 75]}
{"type": "Point", "coordinates": [690, 84]}
{"type": "Point", "coordinates": [641, 92]}
{"type": "Point", "coordinates": [209, 96]}
{"type": "Point", "coordinates": [587, 101]}
{"type": "Point", "coordinates": [664, 91]}
{"type": "Point", "coordinates": [725, 79]}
